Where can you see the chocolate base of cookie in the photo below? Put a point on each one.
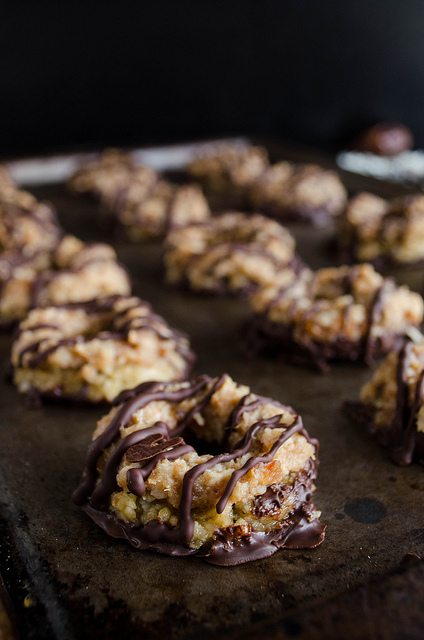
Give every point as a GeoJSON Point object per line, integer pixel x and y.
{"type": "Point", "coordinates": [405, 445]}
{"type": "Point", "coordinates": [236, 544]}
{"type": "Point", "coordinates": [229, 547]}
{"type": "Point", "coordinates": [260, 335]}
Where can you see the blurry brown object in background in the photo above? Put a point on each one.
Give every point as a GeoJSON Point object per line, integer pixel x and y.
{"type": "Point", "coordinates": [385, 139]}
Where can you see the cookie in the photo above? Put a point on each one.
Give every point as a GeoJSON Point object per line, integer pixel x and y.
{"type": "Point", "coordinates": [74, 272]}
{"type": "Point", "coordinates": [232, 253]}
{"type": "Point", "coordinates": [92, 351]}
{"type": "Point", "coordinates": [384, 232]}
{"type": "Point", "coordinates": [226, 170]}
{"type": "Point", "coordinates": [136, 199]}
{"type": "Point", "coordinates": [391, 402]}
{"type": "Point", "coordinates": [145, 211]}
{"type": "Point", "coordinates": [144, 482]}
{"type": "Point", "coordinates": [105, 176]}
{"type": "Point", "coordinates": [27, 226]}
{"type": "Point", "coordinates": [241, 175]}
{"type": "Point", "coordinates": [345, 313]}
{"type": "Point", "coordinates": [298, 193]}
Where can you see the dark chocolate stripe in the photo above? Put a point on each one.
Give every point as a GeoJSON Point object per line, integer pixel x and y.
{"type": "Point", "coordinates": [403, 451]}
{"type": "Point", "coordinates": [36, 327]}
{"type": "Point", "coordinates": [187, 420]}
{"type": "Point", "coordinates": [149, 321]}
{"type": "Point", "coordinates": [233, 248]}
{"type": "Point", "coordinates": [107, 483]}
{"type": "Point", "coordinates": [271, 423]}
{"type": "Point", "coordinates": [38, 358]}
{"type": "Point", "coordinates": [137, 476]}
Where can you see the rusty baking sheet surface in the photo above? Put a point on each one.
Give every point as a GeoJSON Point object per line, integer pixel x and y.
{"type": "Point", "coordinates": [78, 583]}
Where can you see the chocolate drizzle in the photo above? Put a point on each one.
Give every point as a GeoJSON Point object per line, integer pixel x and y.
{"type": "Point", "coordinates": [43, 269]}
{"type": "Point", "coordinates": [246, 445]}
{"type": "Point", "coordinates": [36, 353]}
{"type": "Point", "coordinates": [149, 446]}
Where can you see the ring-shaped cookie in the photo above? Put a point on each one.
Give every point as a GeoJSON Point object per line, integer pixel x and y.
{"type": "Point", "coordinates": [92, 351]}
{"type": "Point", "coordinates": [342, 313]}
{"type": "Point", "coordinates": [145, 483]}
{"type": "Point", "coordinates": [232, 253]}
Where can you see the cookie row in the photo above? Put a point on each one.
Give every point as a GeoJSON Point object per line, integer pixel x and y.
{"type": "Point", "coordinates": [347, 313]}
{"type": "Point", "coordinates": [342, 313]}
{"type": "Point", "coordinates": [244, 177]}
{"type": "Point", "coordinates": [143, 482]}
{"type": "Point", "coordinates": [145, 205]}
{"type": "Point", "coordinates": [369, 228]}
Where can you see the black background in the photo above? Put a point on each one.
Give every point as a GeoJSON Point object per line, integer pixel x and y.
{"type": "Point", "coordinates": [89, 73]}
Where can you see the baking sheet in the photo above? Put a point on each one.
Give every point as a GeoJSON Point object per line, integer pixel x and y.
{"type": "Point", "coordinates": [80, 584]}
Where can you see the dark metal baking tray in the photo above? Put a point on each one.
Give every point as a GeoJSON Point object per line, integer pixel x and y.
{"type": "Point", "coordinates": [66, 579]}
